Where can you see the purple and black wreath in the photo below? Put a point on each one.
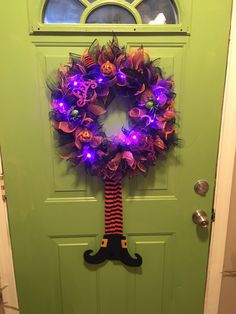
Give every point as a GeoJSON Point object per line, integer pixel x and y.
{"type": "Point", "coordinates": [85, 88]}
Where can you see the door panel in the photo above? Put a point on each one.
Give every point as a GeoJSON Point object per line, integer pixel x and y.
{"type": "Point", "coordinates": [129, 285]}
{"type": "Point", "coordinates": [56, 211]}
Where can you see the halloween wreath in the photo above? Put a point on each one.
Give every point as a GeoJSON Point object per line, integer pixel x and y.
{"type": "Point", "coordinates": [85, 88]}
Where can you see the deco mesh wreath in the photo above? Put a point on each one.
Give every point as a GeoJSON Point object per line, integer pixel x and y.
{"type": "Point", "coordinates": [85, 88]}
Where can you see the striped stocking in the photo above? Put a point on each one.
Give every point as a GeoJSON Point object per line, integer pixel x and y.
{"type": "Point", "coordinates": [114, 246]}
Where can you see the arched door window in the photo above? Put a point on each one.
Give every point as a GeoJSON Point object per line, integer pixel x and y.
{"type": "Point", "coordinates": [110, 12]}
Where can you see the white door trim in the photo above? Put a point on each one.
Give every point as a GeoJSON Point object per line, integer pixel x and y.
{"type": "Point", "coordinates": [225, 167]}
{"type": "Point", "coordinates": [7, 277]}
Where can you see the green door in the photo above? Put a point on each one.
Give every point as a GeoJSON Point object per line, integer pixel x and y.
{"type": "Point", "coordinates": [56, 212]}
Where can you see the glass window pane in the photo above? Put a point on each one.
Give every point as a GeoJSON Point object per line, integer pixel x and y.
{"type": "Point", "coordinates": [157, 12]}
{"type": "Point", "coordinates": [111, 14]}
{"type": "Point", "coordinates": [70, 11]}
{"type": "Point", "coordinates": [63, 12]}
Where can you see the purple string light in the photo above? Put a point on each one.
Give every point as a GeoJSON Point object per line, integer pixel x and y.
{"type": "Point", "coordinates": [88, 155]}
{"type": "Point", "coordinates": [61, 106]}
{"type": "Point", "coordinates": [121, 75]}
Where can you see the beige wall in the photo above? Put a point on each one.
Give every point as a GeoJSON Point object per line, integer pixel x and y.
{"type": "Point", "coordinates": [228, 287]}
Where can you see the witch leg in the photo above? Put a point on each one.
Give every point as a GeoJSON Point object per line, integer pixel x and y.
{"type": "Point", "coordinates": [114, 246]}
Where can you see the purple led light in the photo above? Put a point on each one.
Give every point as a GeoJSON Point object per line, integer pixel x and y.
{"type": "Point", "coordinates": [121, 76]}
{"type": "Point", "coordinates": [61, 106]}
{"type": "Point", "coordinates": [161, 99]}
{"type": "Point", "coordinates": [88, 154]}
{"type": "Point", "coordinates": [134, 137]}
{"type": "Point", "coordinates": [75, 83]}
{"type": "Point", "coordinates": [100, 79]}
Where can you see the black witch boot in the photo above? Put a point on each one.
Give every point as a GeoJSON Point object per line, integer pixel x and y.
{"type": "Point", "coordinates": [113, 247]}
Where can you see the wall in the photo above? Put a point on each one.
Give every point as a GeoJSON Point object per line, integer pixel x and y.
{"type": "Point", "coordinates": [227, 303]}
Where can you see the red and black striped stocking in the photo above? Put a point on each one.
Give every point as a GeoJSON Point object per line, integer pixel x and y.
{"type": "Point", "coordinates": [113, 245]}
{"type": "Point", "coordinates": [113, 207]}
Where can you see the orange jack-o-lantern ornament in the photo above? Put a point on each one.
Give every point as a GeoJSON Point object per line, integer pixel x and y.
{"type": "Point", "coordinates": [108, 69]}
{"type": "Point", "coordinates": [85, 136]}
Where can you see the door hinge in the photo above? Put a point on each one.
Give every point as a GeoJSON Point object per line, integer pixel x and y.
{"type": "Point", "coordinates": [2, 187]}
{"type": "Point", "coordinates": [213, 215]}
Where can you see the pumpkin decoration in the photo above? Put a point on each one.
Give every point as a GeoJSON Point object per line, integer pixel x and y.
{"type": "Point", "coordinates": [108, 69]}
{"type": "Point", "coordinates": [85, 136]}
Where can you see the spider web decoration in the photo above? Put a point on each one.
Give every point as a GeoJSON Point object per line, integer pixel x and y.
{"type": "Point", "coordinates": [85, 88]}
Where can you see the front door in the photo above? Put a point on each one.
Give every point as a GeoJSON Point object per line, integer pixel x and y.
{"type": "Point", "coordinates": [56, 212]}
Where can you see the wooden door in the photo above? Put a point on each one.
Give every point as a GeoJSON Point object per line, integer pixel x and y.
{"type": "Point", "coordinates": [56, 212]}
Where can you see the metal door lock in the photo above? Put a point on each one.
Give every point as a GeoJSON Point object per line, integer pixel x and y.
{"type": "Point", "coordinates": [200, 218]}
{"type": "Point", "coordinates": [201, 187]}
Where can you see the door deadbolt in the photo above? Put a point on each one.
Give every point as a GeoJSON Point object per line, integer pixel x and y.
{"type": "Point", "coordinates": [200, 218]}
{"type": "Point", "coordinates": [201, 187]}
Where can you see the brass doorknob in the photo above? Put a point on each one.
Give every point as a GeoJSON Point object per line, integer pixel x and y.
{"type": "Point", "coordinates": [200, 218]}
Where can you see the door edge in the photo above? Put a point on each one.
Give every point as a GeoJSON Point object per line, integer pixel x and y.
{"type": "Point", "coordinates": [224, 177]}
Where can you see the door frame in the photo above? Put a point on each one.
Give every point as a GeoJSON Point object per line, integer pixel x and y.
{"type": "Point", "coordinates": [224, 178]}
{"type": "Point", "coordinates": [7, 276]}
